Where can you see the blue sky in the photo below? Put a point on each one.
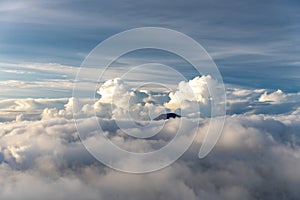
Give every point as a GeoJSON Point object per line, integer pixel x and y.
{"type": "Point", "coordinates": [254, 43]}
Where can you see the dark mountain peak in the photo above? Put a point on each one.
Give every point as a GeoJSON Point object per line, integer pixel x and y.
{"type": "Point", "coordinates": [166, 116]}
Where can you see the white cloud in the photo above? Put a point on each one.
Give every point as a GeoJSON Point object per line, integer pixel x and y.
{"type": "Point", "coordinates": [279, 97]}
{"type": "Point", "coordinates": [194, 95]}
{"type": "Point", "coordinates": [41, 156]}
{"type": "Point", "coordinates": [124, 101]}
{"type": "Point", "coordinates": [256, 157]}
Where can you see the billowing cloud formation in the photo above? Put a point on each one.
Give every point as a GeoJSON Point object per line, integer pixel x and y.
{"type": "Point", "coordinates": [124, 101]}
{"type": "Point", "coordinates": [260, 101]}
{"type": "Point", "coordinates": [279, 97]}
{"type": "Point", "coordinates": [29, 107]}
{"type": "Point", "coordinates": [257, 156]}
{"type": "Point", "coordinates": [118, 100]}
{"type": "Point", "coordinates": [193, 90]}
{"type": "Point", "coordinates": [192, 94]}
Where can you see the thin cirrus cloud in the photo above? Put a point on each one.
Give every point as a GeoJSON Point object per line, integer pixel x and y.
{"type": "Point", "coordinates": [240, 37]}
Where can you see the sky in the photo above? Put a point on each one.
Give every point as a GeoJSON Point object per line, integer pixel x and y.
{"type": "Point", "coordinates": [70, 135]}
{"type": "Point", "coordinates": [254, 43]}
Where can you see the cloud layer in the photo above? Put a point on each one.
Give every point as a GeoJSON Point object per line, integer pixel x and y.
{"type": "Point", "coordinates": [257, 156]}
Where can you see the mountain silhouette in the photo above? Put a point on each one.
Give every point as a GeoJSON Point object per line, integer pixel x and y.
{"type": "Point", "coordinates": [166, 116]}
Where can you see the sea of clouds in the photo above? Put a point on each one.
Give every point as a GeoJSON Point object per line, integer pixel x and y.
{"type": "Point", "coordinates": [256, 157]}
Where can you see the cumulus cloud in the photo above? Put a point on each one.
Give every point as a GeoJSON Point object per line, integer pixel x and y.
{"type": "Point", "coordinates": [28, 108]}
{"type": "Point", "coordinates": [194, 94]}
{"type": "Point", "coordinates": [145, 104]}
{"type": "Point", "coordinates": [279, 97]}
{"type": "Point", "coordinates": [125, 101]}
{"type": "Point", "coordinates": [261, 101]}
{"type": "Point", "coordinates": [193, 90]}
{"type": "Point", "coordinates": [118, 100]}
